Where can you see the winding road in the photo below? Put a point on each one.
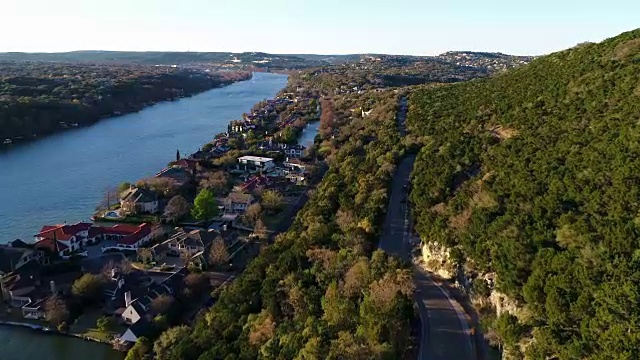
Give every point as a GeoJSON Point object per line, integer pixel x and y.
{"type": "Point", "coordinates": [445, 332]}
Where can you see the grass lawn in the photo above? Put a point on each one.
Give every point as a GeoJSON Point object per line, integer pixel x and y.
{"type": "Point", "coordinates": [85, 325]}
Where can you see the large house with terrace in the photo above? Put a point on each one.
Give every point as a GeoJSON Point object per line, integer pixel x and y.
{"type": "Point", "coordinates": [127, 236]}
{"type": "Point", "coordinates": [62, 239]}
{"type": "Point", "coordinates": [253, 164]}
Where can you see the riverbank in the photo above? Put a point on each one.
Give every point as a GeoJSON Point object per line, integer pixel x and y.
{"type": "Point", "coordinates": [63, 176]}
{"type": "Point", "coordinates": [16, 337]}
{"type": "Point", "coordinates": [90, 97]}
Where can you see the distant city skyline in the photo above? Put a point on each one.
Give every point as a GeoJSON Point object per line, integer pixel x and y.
{"type": "Point", "coordinates": [331, 27]}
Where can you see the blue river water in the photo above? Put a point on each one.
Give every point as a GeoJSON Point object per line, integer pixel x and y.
{"type": "Point", "coordinates": [62, 177]}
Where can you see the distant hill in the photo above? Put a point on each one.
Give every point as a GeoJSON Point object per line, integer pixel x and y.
{"type": "Point", "coordinates": [245, 59]}
{"type": "Point", "coordinates": [532, 179]}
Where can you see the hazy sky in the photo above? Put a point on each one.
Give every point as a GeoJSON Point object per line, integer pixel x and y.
{"type": "Point", "coordinates": [420, 27]}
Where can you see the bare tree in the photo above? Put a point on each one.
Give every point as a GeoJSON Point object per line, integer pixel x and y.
{"type": "Point", "coordinates": [216, 181]}
{"type": "Point", "coordinates": [253, 214]}
{"type": "Point", "coordinates": [145, 255]}
{"type": "Point", "coordinates": [185, 256]}
{"type": "Point", "coordinates": [218, 255]}
{"type": "Point", "coordinates": [177, 208]}
{"type": "Point", "coordinates": [161, 185]}
{"type": "Point", "coordinates": [110, 197]}
{"type": "Point", "coordinates": [260, 229]}
{"type": "Point", "coordinates": [56, 310]}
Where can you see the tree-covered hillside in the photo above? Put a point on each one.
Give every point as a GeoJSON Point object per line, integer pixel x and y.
{"type": "Point", "coordinates": [535, 175]}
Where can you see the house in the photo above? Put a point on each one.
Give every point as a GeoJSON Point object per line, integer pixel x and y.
{"type": "Point", "coordinates": [125, 235]}
{"type": "Point", "coordinates": [252, 183]}
{"type": "Point", "coordinates": [63, 239]}
{"type": "Point", "coordinates": [237, 202]}
{"type": "Point", "coordinates": [13, 255]}
{"type": "Point", "coordinates": [138, 237]}
{"type": "Point", "coordinates": [136, 331]}
{"type": "Point", "coordinates": [140, 308]}
{"type": "Point", "coordinates": [295, 165]}
{"type": "Point", "coordinates": [139, 200]}
{"type": "Point", "coordinates": [179, 175]}
{"type": "Point", "coordinates": [188, 164]}
{"type": "Point", "coordinates": [193, 242]}
{"type": "Point", "coordinates": [35, 309]}
{"type": "Point", "coordinates": [255, 164]}
{"type": "Point", "coordinates": [295, 151]}
{"type": "Point", "coordinates": [18, 284]}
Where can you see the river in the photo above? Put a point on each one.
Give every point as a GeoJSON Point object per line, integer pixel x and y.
{"type": "Point", "coordinates": [17, 343]}
{"type": "Point", "coordinates": [61, 177]}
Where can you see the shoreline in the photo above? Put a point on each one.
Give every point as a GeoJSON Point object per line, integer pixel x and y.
{"type": "Point", "coordinates": [51, 331]}
{"type": "Point", "coordinates": [134, 109]}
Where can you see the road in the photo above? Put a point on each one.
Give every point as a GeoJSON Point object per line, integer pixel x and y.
{"type": "Point", "coordinates": [445, 332]}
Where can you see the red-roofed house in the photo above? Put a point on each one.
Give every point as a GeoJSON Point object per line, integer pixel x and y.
{"type": "Point", "coordinates": [132, 236]}
{"type": "Point", "coordinates": [69, 238]}
{"type": "Point", "coordinates": [140, 237]}
{"type": "Point", "coordinates": [251, 184]}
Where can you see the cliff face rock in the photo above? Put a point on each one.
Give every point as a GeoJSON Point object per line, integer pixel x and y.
{"type": "Point", "coordinates": [437, 259]}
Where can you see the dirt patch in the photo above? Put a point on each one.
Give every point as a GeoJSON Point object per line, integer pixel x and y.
{"type": "Point", "coordinates": [627, 49]}
{"type": "Point", "coordinates": [637, 91]}
{"type": "Point", "coordinates": [439, 209]}
{"type": "Point", "coordinates": [460, 221]}
{"type": "Point", "coordinates": [483, 200]}
{"type": "Point", "coordinates": [502, 133]}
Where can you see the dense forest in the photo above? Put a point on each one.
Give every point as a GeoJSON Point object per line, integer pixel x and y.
{"type": "Point", "coordinates": [533, 177]}
{"type": "Point", "coordinates": [42, 98]}
{"type": "Point", "coordinates": [320, 291]}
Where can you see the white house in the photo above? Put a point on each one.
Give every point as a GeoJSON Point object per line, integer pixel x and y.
{"type": "Point", "coordinates": [255, 164]}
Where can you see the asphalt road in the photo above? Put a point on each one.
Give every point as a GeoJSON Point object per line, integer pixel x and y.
{"type": "Point", "coordinates": [445, 333]}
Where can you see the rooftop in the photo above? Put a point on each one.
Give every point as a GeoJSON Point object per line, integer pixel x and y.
{"type": "Point", "coordinates": [254, 158]}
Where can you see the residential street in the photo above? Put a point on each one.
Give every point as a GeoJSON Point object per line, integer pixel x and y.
{"type": "Point", "coordinates": [445, 333]}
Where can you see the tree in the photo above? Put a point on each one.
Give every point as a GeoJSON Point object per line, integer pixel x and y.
{"type": "Point", "coordinates": [216, 181]}
{"type": "Point", "coordinates": [169, 345]}
{"type": "Point", "coordinates": [218, 255]}
{"type": "Point", "coordinates": [289, 135]}
{"type": "Point", "coordinates": [145, 255]}
{"type": "Point", "coordinates": [162, 304]}
{"type": "Point", "coordinates": [253, 214]}
{"type": "Point", "coordinates": [194, 284]}
{"type": "Point", "coordinates": [110, 197]}
{"type": "Point", "coordinates": [56, 310]}
{"type": "Point", "coordinates": [205, 206]}
{"type": "Point", "coordinates": [186, 257]}
{"type": "Point", "coordinates": [124, 187]}
{"type": "Point", "coordinates": [272, 200]}
{"type": "Point", "coordinates": [88, 287]}
{"type": "Point", "coordinates": [260, 229]}
{"type": "Point", "coordinates": [177, 208]}
{"type": "Point", "coordinates": [161, 185]}
{"type": "Point", "coordinates": [140, 350]}
{"type": "Point", "coordinates": [105, 323]}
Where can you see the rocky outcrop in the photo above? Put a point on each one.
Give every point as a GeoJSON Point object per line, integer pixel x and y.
{"type": "Point", "coordinates": [436, 258]}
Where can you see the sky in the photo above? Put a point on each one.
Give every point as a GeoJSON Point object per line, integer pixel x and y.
{"type": "Point", "coordinates": [417, 27]}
